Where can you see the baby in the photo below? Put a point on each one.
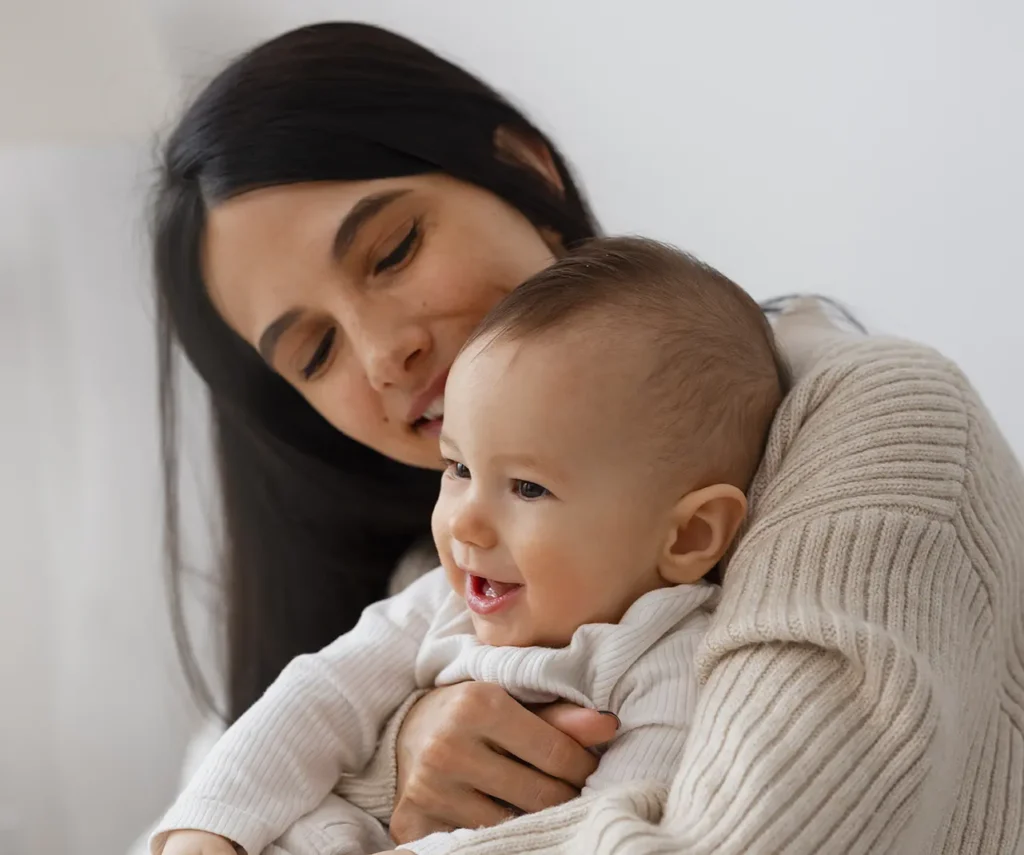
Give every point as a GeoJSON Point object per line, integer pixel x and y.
{"type": "Point", "coordinates": [601, 428]}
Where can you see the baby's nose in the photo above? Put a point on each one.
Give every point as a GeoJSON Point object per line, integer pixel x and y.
{"type": "Point", "coordinates": [470, 525]}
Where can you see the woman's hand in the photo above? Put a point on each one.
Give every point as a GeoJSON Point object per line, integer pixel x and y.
{"type": "Point", "coordinates": [463, 747]}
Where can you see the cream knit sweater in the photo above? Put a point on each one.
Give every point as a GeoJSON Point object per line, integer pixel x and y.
{"type": "Point", "coordinates": [864, 673]}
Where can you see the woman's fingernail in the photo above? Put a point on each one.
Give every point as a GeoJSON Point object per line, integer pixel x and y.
{"type": "Point", "coordinates": [618, 723]}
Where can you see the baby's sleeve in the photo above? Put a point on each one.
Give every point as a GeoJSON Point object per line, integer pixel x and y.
{"type": "Point", "coordinates": [320, 719]}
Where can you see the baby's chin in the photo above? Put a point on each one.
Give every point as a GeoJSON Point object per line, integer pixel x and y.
{"type": "Point", "coordinates": [494, 634]}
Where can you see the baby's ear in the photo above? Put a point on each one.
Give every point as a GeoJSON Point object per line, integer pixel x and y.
{"type": "Point", "coordinates": [703, 525]}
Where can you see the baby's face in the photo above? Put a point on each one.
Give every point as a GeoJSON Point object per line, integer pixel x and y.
{"type": "Point", "coordinates": [549, 515]}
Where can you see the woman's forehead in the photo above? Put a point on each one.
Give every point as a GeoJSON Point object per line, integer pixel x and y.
{"type": "Point", "coordinates": [280, 204]}
{"type": "Point", "coordinates": [265, 239]}
{"type": "Point", "coordinates": [239, 225]}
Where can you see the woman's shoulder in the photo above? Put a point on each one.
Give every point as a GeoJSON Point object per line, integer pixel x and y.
{"type": "Point", "coordinates": [844, 368]}
{"type": "Point", "coordinates": [871, 421]}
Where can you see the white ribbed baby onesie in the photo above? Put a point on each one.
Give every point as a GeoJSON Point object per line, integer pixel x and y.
{"type": "Point", "coordinates": [320, 721]}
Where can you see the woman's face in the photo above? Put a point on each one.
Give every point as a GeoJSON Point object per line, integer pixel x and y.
{"type": "Point", "coordinates": [360, 294]}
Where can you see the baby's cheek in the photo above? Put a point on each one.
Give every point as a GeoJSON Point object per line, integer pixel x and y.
{"type": "Point", "coordinates": [571, 596]}
{"type": "Point", "coordinates": [439, 521]}
{"type": "Point", "coordinates": [442, 542]}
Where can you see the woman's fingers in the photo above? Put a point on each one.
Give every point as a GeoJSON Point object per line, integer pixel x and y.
{"type": "Point", "coordinates": [446, 723]}
{"type": "Point", "coordinates": [529, 738]}
{"type": "Point", "coordinates": [478, 811]}
{"type": "Point", "coordinates": [479, 768]}
{"type": "Point", "coordinates": [442, 753]}
{"type": "Point", "coordinates": [424, 807]}
{"type": "Point", "coordinates": [408, 824]}
{"type": "Point", "coordinates": [522, 786]}
{"type": "Point", "coordinates": [460, 745]}
{"type": "Point", "coordinates": [422, 811]}
{"type": "Point", "coordinates": [588, 727]}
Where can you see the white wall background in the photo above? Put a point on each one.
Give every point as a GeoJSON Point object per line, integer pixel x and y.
{"type": "Point", "coordinates": [870, 151]}
{"type": "Point", "coordinates": [94, 714]}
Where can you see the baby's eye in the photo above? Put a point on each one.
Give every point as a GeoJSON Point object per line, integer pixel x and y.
{"type": "Point", "coordinates": [458, 470]}
{"type": "Point", "coordinates": [528, 490]}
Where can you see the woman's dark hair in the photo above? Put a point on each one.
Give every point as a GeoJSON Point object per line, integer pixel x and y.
{"type": "Point", "coordinates": [314, 522]}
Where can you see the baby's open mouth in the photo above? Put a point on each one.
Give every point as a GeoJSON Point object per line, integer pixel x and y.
{"type": "Point", "coordinates": [490, 588]}
{"type": "Point", "coordinates": [485, 596]}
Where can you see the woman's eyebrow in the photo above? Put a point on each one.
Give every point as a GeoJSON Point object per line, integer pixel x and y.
{"type": "Point", "coordinates": [365, 209]}
{"type": "Point", "coordinates": [274, 331]}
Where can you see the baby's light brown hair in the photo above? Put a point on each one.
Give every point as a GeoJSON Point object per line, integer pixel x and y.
{"type": "Point", "coordinates": [713, 374]}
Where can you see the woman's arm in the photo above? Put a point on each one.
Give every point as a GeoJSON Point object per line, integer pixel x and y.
{"type": "Point", "coordinates": [842, 681]}
{"type": "Point", "coordinates": [827, 736]}
{"type": "Point", "coordinates": [320, 718]}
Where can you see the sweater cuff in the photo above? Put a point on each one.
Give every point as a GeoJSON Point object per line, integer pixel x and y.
{"type": "Point", "coordinates": [373, 789]}
{"type": "Point", "coordinates": [214, 817]}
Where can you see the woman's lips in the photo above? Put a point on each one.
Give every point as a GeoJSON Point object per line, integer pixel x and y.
{"type": "Point", "coordinates": [487, 596]}
{"type": "Point", "coordinates": [429, 404]}
{"type": "Point", "coordinates": [429, 427]}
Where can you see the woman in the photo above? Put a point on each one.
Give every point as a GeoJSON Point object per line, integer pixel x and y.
{"type": "Point", "coordinates": [337, 211]}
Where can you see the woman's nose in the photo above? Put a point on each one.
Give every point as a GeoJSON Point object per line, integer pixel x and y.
{"type": "Point", "coordinates": [469, 523]}
{"type": "Point", "coordinates": [391, 350]}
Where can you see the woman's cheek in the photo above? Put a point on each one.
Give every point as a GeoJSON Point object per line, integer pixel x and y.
{"type": "Point", "coordinates": [347, 403]}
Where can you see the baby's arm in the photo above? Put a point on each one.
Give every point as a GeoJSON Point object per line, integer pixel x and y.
{"type": "Point", "coordinates": [336, 827]}
{"type": "Point", "coordinates": [319, 719]}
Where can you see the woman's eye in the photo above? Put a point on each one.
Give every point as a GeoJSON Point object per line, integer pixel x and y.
{"type": "Point", "coordinates": [320, 355]}
{"type": "Point", "coordinates": [400, 252]}
{"type": "Point", "coordinates": [528, 490]}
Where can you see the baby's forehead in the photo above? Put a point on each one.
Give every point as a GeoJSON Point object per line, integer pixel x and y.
{"type": "Point", "coordinates": [575, 380]}
{"type": "Point", "coordinates": [584, 358]}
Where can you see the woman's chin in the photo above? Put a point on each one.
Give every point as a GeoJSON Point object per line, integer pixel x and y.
{"type": "Point", "coordinates": [422, 451]}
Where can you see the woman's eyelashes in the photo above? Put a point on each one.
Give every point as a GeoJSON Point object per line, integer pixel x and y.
{"type": "Point", "coordinates": [401, 252]}
{"type": "Point", "coordinates": [394, 259]}
{"type": "Point", "coordinates": [321, 354]}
